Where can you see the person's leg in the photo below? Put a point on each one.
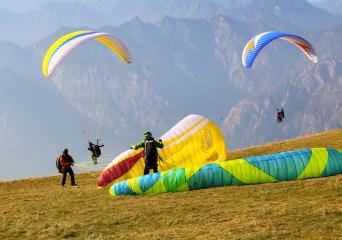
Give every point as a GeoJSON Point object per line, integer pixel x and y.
{"type": "Point", "coordinates": [94, 158]}
{"type": "Point", "coordinates": [64, 175]}
{"type": "Point", "coordinates": [155, 169]}
{"type": "Point", "coordinates": [146, 170]}
{"type": "Point", "coordinates": [72, 176]}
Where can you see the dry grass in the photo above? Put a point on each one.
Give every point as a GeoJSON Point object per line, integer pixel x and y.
{"type": "Point", "coordinates": [331, 138]}
{"type": "Point", "coordinates": [42, 209]}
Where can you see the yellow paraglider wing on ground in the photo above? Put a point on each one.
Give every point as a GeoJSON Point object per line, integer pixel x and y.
{"type": "Point", "coordinates": [193, 141]}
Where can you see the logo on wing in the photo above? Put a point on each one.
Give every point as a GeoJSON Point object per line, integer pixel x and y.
{"type": "Point", "coordinates": [207, 141]}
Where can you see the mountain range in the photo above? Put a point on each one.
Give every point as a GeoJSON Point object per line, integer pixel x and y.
{"type": "Point", "coordinates": [186, 59]}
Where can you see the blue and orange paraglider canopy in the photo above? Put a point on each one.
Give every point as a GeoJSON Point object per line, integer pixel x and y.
{"type": "Point", "coordinates": [257, 43]}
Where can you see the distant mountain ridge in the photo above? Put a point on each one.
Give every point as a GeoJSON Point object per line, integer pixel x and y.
{"type": "Point", "coordinates": [332, 6]}
{"type": "Point", "coordinates": [181, 65]}
{"type": "Point", "coordinates": [311, 99]}
{"type": "Point", "coordinates": [186, 53]}
{"type": "Point", "coordinates": [42, 17]}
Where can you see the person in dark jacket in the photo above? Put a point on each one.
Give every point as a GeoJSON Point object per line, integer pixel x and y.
{"type": "Point", "coordinates": [150, 152]}
{"type": "Point", "coordinates": [95, 150]}
{"type": "Point", "coordinates": [66, 161]}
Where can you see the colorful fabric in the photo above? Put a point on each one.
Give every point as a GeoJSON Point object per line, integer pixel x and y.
{"type": "Point", "coordinates": [193, 141]}
{"type": "Point", "coordinates": [61, 48]}
{"type": "Point", "coordinates": [257, 43]}
{"type": "Point", "coordinates": [286, 166]}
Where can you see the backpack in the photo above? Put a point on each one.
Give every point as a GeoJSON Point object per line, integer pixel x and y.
{"type": "Point", "coordinates": [59, 165]}
{"type": "Point", "coordinates": [97, 150]}
{"type": "Point", "coordinates": [150, 153]}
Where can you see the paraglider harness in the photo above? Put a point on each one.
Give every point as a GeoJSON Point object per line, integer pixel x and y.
{"type": "Point", "coordinates": [280, 115]}
{"type": "Point", "coordinates": [151, 155]}
{"type": "Point", "coordinates": [59, 164]}
{"type": "Point", "coordinates": [279, 119]}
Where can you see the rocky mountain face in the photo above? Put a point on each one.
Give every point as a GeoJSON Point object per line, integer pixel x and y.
{"type": "Point", "coordinates": [310, 94]}
{"type": "Point", "coordinates": [186, 59]}
{"type": "Point", "coordinates": [193, 59]}
{"type": "Point", "coordinates": [311, 99]}
{"type": "Point", "coordinates": [277, 12]}
{"type": "Point", "coordinates": [332, 6]}
{"type": "Point", "coordinates": [43, 17]}
{"type": "Point", "coordinates": [28, 27]}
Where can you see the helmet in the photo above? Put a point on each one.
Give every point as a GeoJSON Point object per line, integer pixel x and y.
{"type": "Point", "coordinates": [65, 150]}
{"type": "Point", "coordinates": [147, 133]}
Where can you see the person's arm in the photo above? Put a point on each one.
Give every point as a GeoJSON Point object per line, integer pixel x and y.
{"type": "Point", "coordinates": [71, 160]}
{"type": "Point", "coordinates": [159, 144]}
{"type": "Point", "coordinates": [139, 145]}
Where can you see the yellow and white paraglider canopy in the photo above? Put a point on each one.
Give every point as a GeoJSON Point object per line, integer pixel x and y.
{"type": "Point", "coordinates": [60, 49]}
{"type": "Point", "coordinates": [193, 141]}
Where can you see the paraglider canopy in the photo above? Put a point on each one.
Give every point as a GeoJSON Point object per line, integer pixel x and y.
{"type": "Point", "coordinates": [194, 140]}
{"type": "Point", "coordinates": [69, 42]}
{"type": "Point", "coordinates": [257, 43]}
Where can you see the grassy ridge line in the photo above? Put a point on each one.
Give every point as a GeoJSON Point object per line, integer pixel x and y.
{"type": "Point", "coordinates": [41, 209]}
{"type": "Point", "coordinates": [332, 138]}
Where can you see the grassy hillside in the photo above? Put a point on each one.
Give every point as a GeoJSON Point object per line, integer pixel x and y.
{"type": "Point", "coordinates": [331, 138]}
{"type": "Point", "coordinates": [42, 209]}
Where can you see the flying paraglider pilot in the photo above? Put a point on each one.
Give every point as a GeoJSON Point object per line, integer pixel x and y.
{"type": "Point", "coordinates": [64, 163]}
{"type": "Point", "coordinates": [279, 119]}
{"type": "Point", "coordinates": [150, 152]}
{"type": "Point", "coordinates": [95, 150]}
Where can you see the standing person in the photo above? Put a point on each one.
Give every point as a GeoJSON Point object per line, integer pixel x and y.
{"type": "Point", "coordinates": [150, 152]}
{"type": "Point", "coordinates": [66, 161]}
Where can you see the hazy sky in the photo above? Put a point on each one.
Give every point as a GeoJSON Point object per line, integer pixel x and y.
{"type": "Point", "coordinates": [39, 119]}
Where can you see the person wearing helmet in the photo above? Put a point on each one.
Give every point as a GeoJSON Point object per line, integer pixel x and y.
{"type": "Point", "coordinates": [95, 150]}
{"type": "Point", "coordinates": [65, 161]}
{"type": "Point", "coordinates": [150, 152]}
